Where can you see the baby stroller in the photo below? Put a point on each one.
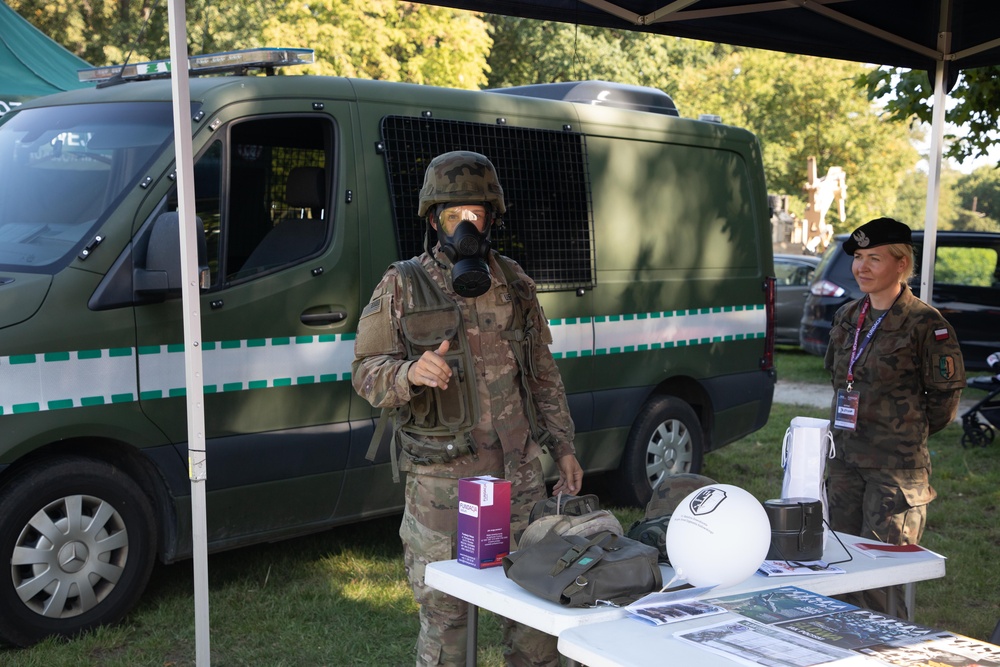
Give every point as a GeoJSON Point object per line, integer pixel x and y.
{"type": "Point", "coordinates": [979, 421]}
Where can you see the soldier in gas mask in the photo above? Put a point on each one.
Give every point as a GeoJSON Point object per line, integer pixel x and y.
{"type": "Point", "coordinates": [454, 347]}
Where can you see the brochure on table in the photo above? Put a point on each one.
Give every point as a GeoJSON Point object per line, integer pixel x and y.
{"type": "Point", "coordinates": [792, 627]}
{"type": "Point", "coordinates": [791, 568]}
{"type": "Point", "coordinates": [879, 550]}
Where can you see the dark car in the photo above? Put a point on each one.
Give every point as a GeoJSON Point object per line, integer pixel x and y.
{"type": "Point", "coordinates": [793, 274]}
{"type": "Point", "coordinates": [966, 291]}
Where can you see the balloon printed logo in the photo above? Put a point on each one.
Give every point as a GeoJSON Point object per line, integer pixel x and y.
{"type": "Point", "coordinates": [707, 500]}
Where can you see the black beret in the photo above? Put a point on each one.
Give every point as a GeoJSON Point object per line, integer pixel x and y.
{"type": "Point", "coordinates": [880, 231]}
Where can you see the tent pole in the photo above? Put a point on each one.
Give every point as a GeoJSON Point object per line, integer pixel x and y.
{"type": "Point", "coordinates": [933, 187]}
{"type": "Point", "coordinates": [194, 383]}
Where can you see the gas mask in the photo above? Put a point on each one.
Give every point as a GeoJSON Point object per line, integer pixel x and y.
{"type": "Point", "coordinates": [468, 249]}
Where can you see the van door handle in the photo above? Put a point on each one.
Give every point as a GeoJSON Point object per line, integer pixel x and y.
{"type": "Point", "coordinates": [316, 319]}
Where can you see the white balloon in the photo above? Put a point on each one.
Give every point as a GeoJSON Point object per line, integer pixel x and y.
{"type": "Point", "coordinates": [718, 535]}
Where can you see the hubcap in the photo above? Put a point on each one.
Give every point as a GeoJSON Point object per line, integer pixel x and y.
{"type": "Point", "coordinates": [69, 556]}
{"type": "Point", "coordinates": [668, 452]}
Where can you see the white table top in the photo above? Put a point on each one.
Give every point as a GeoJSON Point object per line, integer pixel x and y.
{"type": "Point", "coordinates": [490, 589]}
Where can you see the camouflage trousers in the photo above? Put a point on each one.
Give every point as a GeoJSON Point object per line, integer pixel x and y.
{"type": "Point", "coordinates": [889, 505]}
{"type": "Point", "coordinates": [428, 532]}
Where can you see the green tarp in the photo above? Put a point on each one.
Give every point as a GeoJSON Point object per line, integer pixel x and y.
{"type": "Point", "coordinates": [31, 64]}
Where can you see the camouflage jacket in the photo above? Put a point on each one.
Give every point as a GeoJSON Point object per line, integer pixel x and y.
{"type": "Point", "coordinates": [909, 379]}
{"type": "Point", "coordinates": [503, 434]}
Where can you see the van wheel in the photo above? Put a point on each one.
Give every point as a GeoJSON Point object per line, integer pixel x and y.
{"type": "Point", "coordinates": [665, 439]}
{"type": "Point", "coordinates": [79, 536]}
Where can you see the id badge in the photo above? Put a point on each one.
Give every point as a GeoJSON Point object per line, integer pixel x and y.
{"type": "Point", "coordinates": [846, 417]}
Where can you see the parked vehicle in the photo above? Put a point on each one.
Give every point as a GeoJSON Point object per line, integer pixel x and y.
{"type": "Point", "coordinates": [647, 233]}
{"type": "Point", "coordinates": [793, 274]}
{"type": "Point", "coordinates": [966, 291]}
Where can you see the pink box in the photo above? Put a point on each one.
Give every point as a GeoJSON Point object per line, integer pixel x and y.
{"type": "Point", "coordinates": [483, 521]}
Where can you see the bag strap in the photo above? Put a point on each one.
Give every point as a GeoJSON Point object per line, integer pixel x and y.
{"type": "Point", "coordinates": [784, 446]}
{"type": "Point", "coordinates": [377, 440]}
{"type": "Point", "coordinates": [576, 552]}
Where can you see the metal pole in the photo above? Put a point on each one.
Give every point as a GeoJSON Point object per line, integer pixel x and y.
{"type": "Point", "coordinates": [190, 300]}
{"type": "Point", "coordinates": [933, 188]}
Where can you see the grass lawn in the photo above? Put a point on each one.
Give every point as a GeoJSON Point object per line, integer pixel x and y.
{"type": "Point", "coordinates": [340, 597]}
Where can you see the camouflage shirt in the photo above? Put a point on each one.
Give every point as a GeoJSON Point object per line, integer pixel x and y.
{"type": "Point", "coordinates": [909, 378]}
{"type": "Point", "coordinates": [503, 434]}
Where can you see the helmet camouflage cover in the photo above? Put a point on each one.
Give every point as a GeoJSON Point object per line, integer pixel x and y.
{"type": "Point", "coordinates": [461, 176]}
{"type": "Point", "coordinates": [652, 528]}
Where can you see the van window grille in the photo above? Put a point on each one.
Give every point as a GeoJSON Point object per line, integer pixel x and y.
{"type": "Point", "coordinates": [548, 227]}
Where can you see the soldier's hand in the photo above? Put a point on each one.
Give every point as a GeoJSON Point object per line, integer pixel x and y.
{"type": "Point", "coordinates": [431, 370]}
{"type": "Point", "coordinates": [570, 475]}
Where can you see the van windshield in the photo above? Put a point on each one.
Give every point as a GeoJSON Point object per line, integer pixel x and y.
{"type": "Point", "coordinates": [64, 170]}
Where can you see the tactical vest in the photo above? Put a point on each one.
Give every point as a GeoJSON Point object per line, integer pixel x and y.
{"type": "Point", "coordinates": [452, 412]}
{"type": "Point", "coordinates": [435, 426]}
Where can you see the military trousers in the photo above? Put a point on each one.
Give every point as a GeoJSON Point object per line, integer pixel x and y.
{"type": "Point", "coordinates": [889, 505]}
{"type": "Point", "coordinates": [428, 532]}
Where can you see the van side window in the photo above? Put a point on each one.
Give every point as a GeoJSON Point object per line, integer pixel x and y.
{"type": "Point", "coordinates": [277, 212]}
{"type": "Point", "coordinates": [549, 226]}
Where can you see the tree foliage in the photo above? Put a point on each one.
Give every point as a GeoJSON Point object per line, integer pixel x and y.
{"type": "Point", "coordinates": [526, 52]}
{"type": "Point", "coordinates": [380, 39]}
{"type": "Point", "coordinates": [799, 106]}
{"type": "Point", "coordinates": [907, 97]}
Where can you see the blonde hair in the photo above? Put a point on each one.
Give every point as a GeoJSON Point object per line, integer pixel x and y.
{"type": "Point", "coordinates": [903, 251]}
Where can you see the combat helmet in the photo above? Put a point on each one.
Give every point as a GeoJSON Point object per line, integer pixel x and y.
{"type": "Point", "coordinates": [461, 176]}
{"type": "Point", "coordinates": [668, 494]}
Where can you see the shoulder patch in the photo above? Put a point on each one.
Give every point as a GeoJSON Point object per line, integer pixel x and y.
{"type": "Point", "coordinates": [946, 365]}
{"type": "Point", "coordinates": [372, 308]}
{"type": "Point", "coordinates": [941, 334]}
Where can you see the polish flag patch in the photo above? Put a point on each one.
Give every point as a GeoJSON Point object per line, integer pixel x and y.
{"type": "Point", "coordinates": [940, 334]}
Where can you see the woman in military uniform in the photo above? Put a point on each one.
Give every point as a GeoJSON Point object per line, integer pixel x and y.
{"type": "Point", "coordinates": [897, 376]}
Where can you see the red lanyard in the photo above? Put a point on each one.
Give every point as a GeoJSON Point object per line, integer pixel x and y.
{"type": "Point", "coordinates": [855, 350]}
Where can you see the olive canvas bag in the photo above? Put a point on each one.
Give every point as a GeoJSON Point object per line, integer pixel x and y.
{"type": "Point", "coordinates": [579, 571]}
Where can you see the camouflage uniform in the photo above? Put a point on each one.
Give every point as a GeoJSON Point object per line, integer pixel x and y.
{"type": "Point", "coordinates": [909, 379]}
{"type": "Point", "coordinates": [502, 438]}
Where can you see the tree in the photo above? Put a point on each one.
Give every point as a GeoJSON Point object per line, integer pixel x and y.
{"type": "Point", "coordinates": [799, 106]}
{"type": "Point", "coordinates": [907, 95]}
{"type": "Point", "coordinates": [383, 39]}
{"type": "Point", "coordinates": [526, 51]}
{"type": "Point", "coordinates": [979, 192]}
{"type": "Point", "coordinates": [388, 40]}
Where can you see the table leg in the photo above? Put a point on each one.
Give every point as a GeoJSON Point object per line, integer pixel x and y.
{"type": "Point", "coordinates": [472, 637]}
{"type": "Point", "coordinates": [910, 596]}
{"type": "Point", "coordinates": [891, 600]}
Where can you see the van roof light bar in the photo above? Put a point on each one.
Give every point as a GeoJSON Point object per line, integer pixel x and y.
{"type": "Point", "coordinates": [229, 62]}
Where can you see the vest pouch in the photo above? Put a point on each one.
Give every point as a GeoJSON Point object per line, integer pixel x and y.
{"type": "Point", "coordinates": [425, 331]}
{"type": "Point", "coordinates": [425, 451]}
{"type": "Point", "coordinates": [451, 411]}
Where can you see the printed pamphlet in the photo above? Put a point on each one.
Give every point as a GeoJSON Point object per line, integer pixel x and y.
{"type": "Point", "coordinates": [751, 643]}
{"type": "Point", "coordinates": [669, 606]}
{"type": "Point", "coordinates": [780, 604]}
{"type": "Point", "coordinates": [933, 650]}
{"type": "Point", "coordinates": [855, 629]}
{"type": "Point", "coordinates": [671, 612]}
{"type": "Point", "coordinates": [791, 568]}
{"type": "Point", "coordinates": [879, 550]}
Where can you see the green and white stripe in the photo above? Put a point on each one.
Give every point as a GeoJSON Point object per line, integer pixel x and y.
{"type": "Point", "coordinates": [638, 332]}
{"type": "Point", "coordinates": [56, 380]}
{"type": "Point", "coordinates": [39, 382]}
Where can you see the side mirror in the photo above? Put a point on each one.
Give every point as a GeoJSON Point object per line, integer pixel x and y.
{"type": "Point", "coordinates": [162, 271]}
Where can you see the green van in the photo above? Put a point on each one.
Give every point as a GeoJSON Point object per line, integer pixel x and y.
{"type": "Point", "coordinates": [648, 235]}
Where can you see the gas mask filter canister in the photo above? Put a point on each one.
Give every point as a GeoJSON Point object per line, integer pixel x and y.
{"type": "Point", "coordinates": [468, 249]}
